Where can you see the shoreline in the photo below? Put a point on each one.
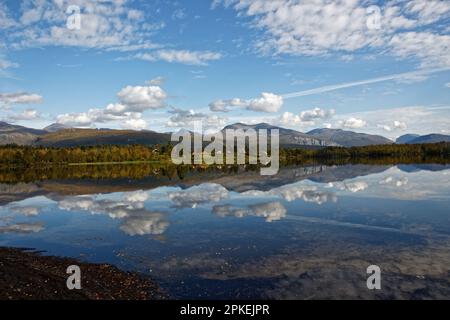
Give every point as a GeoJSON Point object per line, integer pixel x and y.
{"type": "Point", "coordinates": [25, 274]}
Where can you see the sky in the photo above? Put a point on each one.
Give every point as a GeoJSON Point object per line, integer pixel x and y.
{"type": "Point", "coordinates": [379, 67]}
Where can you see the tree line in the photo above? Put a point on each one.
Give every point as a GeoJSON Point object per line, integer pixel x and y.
{"type": "Point", "coordinates": [28, 156]}
{"type": "Point", "coordinates": [32, 156]}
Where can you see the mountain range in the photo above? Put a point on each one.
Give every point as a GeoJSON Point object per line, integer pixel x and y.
{"type": "Point", "coordinates": [348, 138]}
{"type": "Point", "coordinates": [416, 139]}
{"type": "Point", "coordinates": [57, 135]}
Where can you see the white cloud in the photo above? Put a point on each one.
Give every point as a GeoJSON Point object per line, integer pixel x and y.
{"type": "Point", "coordinates": [396, 125]}
{"type": "Point", "coordinates": [199, 58]}
{"type": "Point", "coordinates": [7, 99]}
{"type": "Point", "coordinates": [429, 11]}
{"type": "Point", "coordinates": [398, 182]}
{"type": "Point", "coordinates": [75, 119]}
{"type": "Point", "coordinates": [202, 194]}
{"type": "Point", "coordinates": [353, 123]}
{"type": "Point", "coordinates": [432, 49]}
{"type": "Point", "coordinates": [415, 119]}
{"type": "Point", "coordinates": [158, 81]}
{"type": "Point", "coordinates": [26, 210]}
{"type": "Point", "coordinates": [271, 211]}
{"type": "Point", "coordinates": [94, 116]}
{"type": "Point", "coordinates": [267, 102]}
{"type": "Point", "coordinates": [288, 118]}
{"type": "Point", "coordinates": [104, 24]}
{"type": "Point", "coordinates": [224, 105]}
{"type": "Point", "coordinates": [134, 124]}
{"type": "Point", "coordinates": [133, 101]}
{"type": "Point", "coordinates": [447, 85]}
{"type": "Point", "coordinates": [28, 114]}
{"type": "Point", "coordinates": [140, 98]}
{"type": "Point", "coordinates": [22, 228]}
{"type": "Point", "coordinates": [6, 21]}
{"type": "Point", "coordinates": [136, 220]}
{"type": "Point", "coordinates": [400, 125]}
{"type": "Point", "coordinates": [187, 118]}
{"type": "Point", "coordinates": [316, 114]}
{"type": "Point", "coordinates": [324, 27]}
{"type": "Point", "coordinates": [6, 64]}
{"type": "Point", "coordinates": [143, 222]}
{"type": "Point", "coordinates": [307, 117]}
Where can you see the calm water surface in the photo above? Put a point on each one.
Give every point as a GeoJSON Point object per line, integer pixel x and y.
{"type": "Point", "coordinates": [307, 233]}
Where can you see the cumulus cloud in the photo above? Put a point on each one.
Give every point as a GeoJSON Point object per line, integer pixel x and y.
{"type": "Point", "coordinates": [140, 98]}
{"type": "Point", "coordinates": [134, 124]}
{"type": "Point", "coordinates": [295, 191]}
{"type": "Point", "coordinates": [133, 101]}
{"type": "Point", "coordinates": [197, 195]}
{"type": "Point", "coordinates": [187, 118]}
{"type": "Point", "coordinates": [142, 222]}
{"type": "Point", "coordinates": [267, 102]}
{"type": "Point", "coordinates": [396, 125]}
{"type": "Point", "coordinates": [26, 210]}
{"type": "Point", "coordinates": [398, 182]}
{"type": "Point", "coordinates": [353, 123]}
{"type": "Point", "coordinates": [271, 211]}
{"type": "Point", "coordinates": [415, 119]}
{"type": "Point", "coordinates": [130, 209]}
{"type": "Point", "coordinates": [22, 228]}
{"type": "Point", "coordinates": [307, 117]}
{"type": "Point", "coordinates": [7, 99]}
{"type": "Point", "coordinates": [28, 114]}
{"type": "Point", "coordinates": [224, 105]}
{"type": "Point", "coordinates": [95, 116]}
{"type": "Point", "coordinates": [316, 114]}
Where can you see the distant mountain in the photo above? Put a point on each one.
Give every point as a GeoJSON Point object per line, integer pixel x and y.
{"type": "Point", "coordinates": [58, 135]}
{"type": "Point", "coordinates": [348, 138]}
{"type": "Point", "coordinates": [13, 134]}
{"type": "Point", "coordinates": [429, 138]}
{"type": "Point", "coordinates": [91, 137]}
{"type": "Point", "coordinates": [288, 137]}
{"type": "Point", "coordinates": [55, 127]}
{"type": "Point", "coordinates": [406, 138]}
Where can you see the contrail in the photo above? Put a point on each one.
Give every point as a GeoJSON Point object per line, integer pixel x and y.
{"type": "Point", "coordinates": [362, 82]}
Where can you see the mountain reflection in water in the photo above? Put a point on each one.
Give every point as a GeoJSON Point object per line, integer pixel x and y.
{"type": "Point", "coordinates": [307, 232]}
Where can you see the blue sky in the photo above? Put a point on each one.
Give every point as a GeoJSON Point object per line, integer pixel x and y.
{"type": "Point", "coordinates": [369, 66]}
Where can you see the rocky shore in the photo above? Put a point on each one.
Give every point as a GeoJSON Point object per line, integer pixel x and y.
{"type": "Point", "coordinates": [26, 274]}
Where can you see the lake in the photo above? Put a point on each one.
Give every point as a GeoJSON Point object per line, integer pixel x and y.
{"type": "Point", "coordinates": [306, 233]}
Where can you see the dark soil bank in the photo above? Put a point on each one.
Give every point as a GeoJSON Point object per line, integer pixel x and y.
{"type": "Point", "coordinates": [28, 275]}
